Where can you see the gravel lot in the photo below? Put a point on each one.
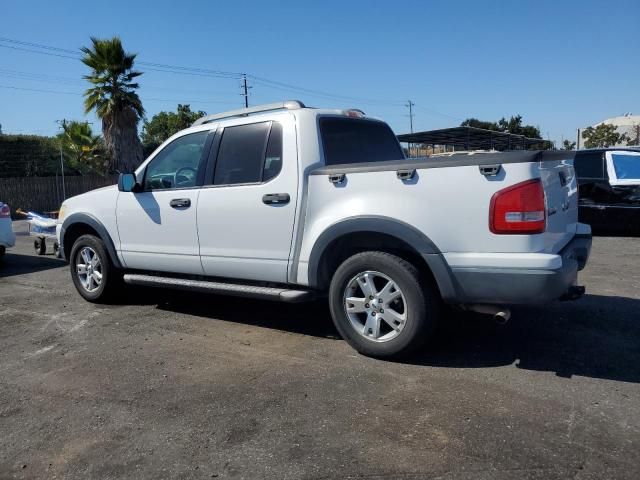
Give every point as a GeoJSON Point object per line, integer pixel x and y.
{"type": "Point", "coordinates": [170, 385]}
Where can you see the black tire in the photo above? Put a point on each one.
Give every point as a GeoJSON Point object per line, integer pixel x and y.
{"type": "Point", "coordinates": [40, 246]}
{"type": "Point", "coordinates": [111, 281]}
{"type": "Point", "coordinates": [3, 250]}
{"type": "Point", "coordinates": [421, 304]}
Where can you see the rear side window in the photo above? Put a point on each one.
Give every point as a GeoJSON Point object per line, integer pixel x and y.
{"type": "Point", "coordinates": [349, 140]}
{"type": "Point", "coordinates": [273, 160]}
{"type": "Point", "coordinates": [249, 154]}
{"type": "Point", "coordinates": [589, 165]}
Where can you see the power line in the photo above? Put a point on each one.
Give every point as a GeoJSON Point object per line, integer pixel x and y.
{"type": "Point", "coordinates": [288, 87]}
{"type": "Point", "coordinates": [66, 53]}
{"type": "Point", "coordinates": [36, 51]}
{"type": "Point", "coordinates": [42, 90]}
{"type": "Point", "coordinates": [198, 71]}
{"type": "Point", "coordinates": [41, 77]}
{"type": "Point", "coordinates": [435, 112]}
{"type": "Point", "coordinates": [33, 47]}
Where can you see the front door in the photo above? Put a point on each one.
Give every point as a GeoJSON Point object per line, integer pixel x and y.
{"type": "Point", "coordinates": [247, 210]}
{"type": "Point", "coordinates": [157, 226]}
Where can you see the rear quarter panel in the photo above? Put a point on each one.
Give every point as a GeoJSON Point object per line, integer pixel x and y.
{"type": "Point", "coordinates": [449, 205]}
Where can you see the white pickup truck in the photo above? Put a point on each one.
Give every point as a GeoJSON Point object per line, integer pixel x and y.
{"type": "Point", "coordinates": [288, 203]}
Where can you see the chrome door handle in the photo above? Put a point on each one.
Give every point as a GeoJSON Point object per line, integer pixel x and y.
{"type": "Point", "coordinates": [180, 203]}
{"type": "Point", "coordinates": [276, 198]}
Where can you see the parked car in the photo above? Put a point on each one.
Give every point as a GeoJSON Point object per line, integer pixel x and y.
{"type": "Point", "coordinates": [609, 185]}
{"type": "Point", "coordinates": [287, 203]}
{"type": "Point", "coordinates": [7, 237]}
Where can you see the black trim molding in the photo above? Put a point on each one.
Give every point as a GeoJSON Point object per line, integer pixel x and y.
{"type": "Point", "coordinates": [93, 222]}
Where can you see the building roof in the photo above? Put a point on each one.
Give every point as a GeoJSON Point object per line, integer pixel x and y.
{"type": "Point", "coordinates": [626, 120]}
{"type": "Point", "coordinates": [471, 138]}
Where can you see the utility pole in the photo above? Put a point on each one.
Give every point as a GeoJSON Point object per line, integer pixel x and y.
{"type": "Point", "coordinates": [410, 104]}
{"type": "Point", "coordinates": [578, 141]}
{"type": "Point", "coordinates": [245, 93]}
{"type": "Point", "coordinates": [63, 124]}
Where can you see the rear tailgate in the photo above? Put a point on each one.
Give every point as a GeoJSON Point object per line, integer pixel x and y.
{"type": "Point", "coordinates": [561, 197]}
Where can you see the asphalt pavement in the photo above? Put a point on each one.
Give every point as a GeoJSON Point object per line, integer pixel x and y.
{"type": "Point", "coordinates": [175, 385]}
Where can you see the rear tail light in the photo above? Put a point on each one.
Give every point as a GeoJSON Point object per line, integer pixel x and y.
{"type": "Point", "coordinates": [518, 209]}
{"type": "Point", "coordinates": [5, 211]}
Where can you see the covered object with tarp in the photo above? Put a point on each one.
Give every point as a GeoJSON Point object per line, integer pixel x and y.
{"type": "Point", "coordinates": [472, 138]}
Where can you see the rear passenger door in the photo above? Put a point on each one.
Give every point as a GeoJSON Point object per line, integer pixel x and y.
{"type": "Point", "coordinates": [247, 206]}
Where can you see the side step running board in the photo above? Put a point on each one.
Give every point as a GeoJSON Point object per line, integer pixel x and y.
{"type": "Point", "coordinates": [267, 293]}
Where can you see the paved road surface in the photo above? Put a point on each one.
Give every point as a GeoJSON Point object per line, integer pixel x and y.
{"type": "Point", "coordinates": [193, 386]}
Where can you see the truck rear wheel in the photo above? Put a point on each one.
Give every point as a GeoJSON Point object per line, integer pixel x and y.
{"type": "Point", "coordinates": [93, 274]}
{"type": "Point", "coordinates": [381, 306]}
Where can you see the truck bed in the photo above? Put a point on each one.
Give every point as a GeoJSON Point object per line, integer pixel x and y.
{"type": "Point", "coordinates": [448, 199]}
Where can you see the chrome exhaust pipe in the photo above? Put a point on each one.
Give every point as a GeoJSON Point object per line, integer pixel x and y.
{"type": "Point", "coordinates": [501, 315]}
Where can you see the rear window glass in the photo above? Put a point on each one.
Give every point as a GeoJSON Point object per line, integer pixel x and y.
{"type": "Point", "coordinates": [349, 140]}
{"type": "Point", "coordinates": [589, 165]}
{"type": "Point", "coordinates": [627, 167]}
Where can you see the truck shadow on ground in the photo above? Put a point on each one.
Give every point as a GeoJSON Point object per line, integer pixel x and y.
{"type": "Point", "coordinates": [18, 264]}
{"type": "Point", "coordinates": [597, 336]}
{"type": "Point", "coordinates": [305, 318]}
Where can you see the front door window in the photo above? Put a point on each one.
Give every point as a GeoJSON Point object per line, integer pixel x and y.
{"type": "Point", "coordinates": [178, 165]}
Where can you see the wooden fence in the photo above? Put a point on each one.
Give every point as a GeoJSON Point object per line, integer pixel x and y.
{"type": "Point", "coordinates": [44, 194]}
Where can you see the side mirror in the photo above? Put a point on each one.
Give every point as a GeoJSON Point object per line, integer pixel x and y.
{"type": "Point", "coordinates": [127, 183]}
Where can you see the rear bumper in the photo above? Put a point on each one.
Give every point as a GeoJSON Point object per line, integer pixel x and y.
{"type": "Point", "coordinates": [522, 286]}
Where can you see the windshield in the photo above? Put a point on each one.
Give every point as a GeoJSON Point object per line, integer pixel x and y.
{"type": "Point", "coordinates": [349, 140]}
{"type": "Point", "coordinates": [627, 166]}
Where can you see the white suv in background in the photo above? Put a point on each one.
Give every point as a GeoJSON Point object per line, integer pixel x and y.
{"type": "Point", "coordinates": [7, 237]}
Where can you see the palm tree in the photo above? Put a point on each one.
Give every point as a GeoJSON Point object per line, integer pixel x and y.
{"type": "Point", "coordinates": [115, 101]}
{"type": "Point", "coordinates": [82, 150]}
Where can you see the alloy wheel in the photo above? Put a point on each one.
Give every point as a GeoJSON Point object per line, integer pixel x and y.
{"type": "Point", "coordinates": [375, 306]}
{"type": "Point", "coordinates": [89, 269]}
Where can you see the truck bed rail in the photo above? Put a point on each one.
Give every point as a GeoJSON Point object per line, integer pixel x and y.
{"type": "Point", "coordinates": [456, 160]}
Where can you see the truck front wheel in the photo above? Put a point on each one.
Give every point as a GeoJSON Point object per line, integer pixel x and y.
{"type": "Point", "coordinates": [381, 306]}
{"type": "Point", "coordinates": [94, 275]}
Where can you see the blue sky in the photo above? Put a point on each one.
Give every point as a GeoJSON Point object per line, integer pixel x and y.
{"type": "Point", "coordinates": [560, 64]}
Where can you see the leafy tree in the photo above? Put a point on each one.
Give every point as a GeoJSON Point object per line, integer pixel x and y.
{"type": "Point", "coordinates": [634, 139]}
{"type": "Point", "coordinates": [568, 145]}
{"type": "Point", "coordinates": [513, 125]}
{"type": "Point", "coordinates": [28, 156]}
{"type": "Point", "coordinates": [475, 123]}
{"type": "Point", "coordinates": [82, 150]}
{"type": "Point", "coordinates": [604, 135]}
{"type": "Point", "coordinates": [164, 124]}
{"type": "Point", "coordinates": [113, 96]}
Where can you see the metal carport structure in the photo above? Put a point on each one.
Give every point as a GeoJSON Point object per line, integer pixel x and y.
{"type": "Point", "coordinates": [472, 138]}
